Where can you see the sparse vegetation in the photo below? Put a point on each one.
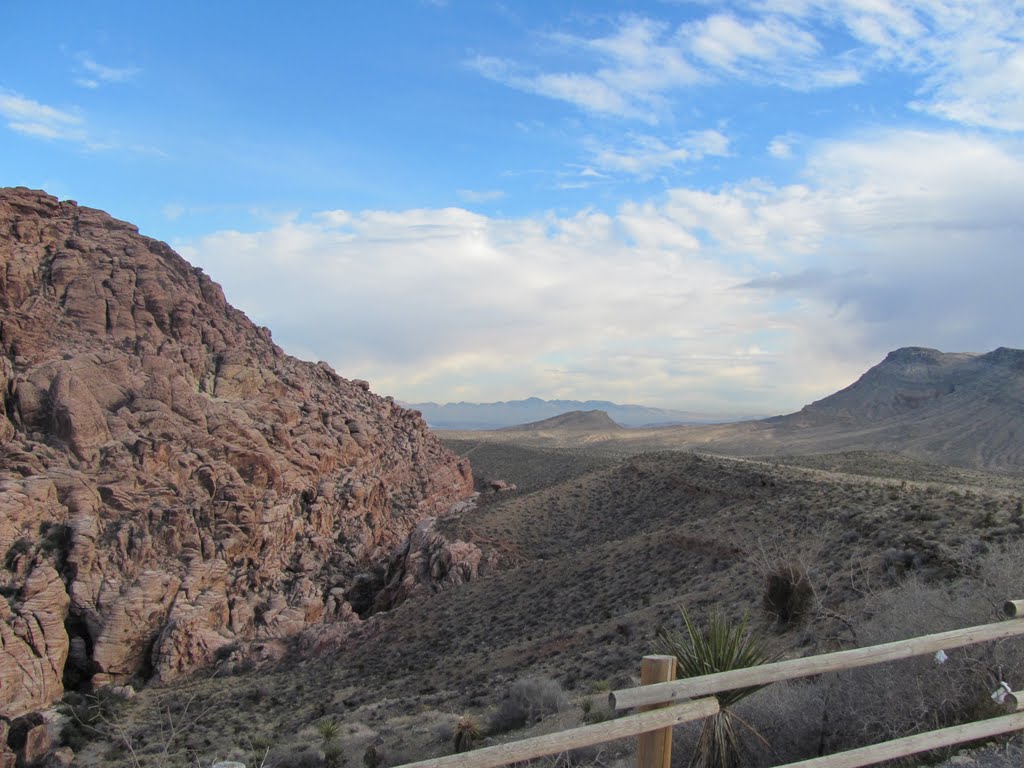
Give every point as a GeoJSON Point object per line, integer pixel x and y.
{"type": "Point", "coordinates": [590, 569]}
{"type": "Point", "coordinates": [527, 701]}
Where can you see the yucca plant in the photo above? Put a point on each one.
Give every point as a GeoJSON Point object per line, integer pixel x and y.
{"type": "Point", "coordinates": [467, 733]}
{"type": "Point", "coordinates": [720, 646]}
{"type": "Point", "coordinates": [328, 730]}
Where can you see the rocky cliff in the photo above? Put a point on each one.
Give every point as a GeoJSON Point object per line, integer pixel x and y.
{"type": "Point", "coordinates": [172, 483]}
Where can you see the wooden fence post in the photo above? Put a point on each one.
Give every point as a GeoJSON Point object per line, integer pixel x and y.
{"type": "Point", "coordinates": [654, 749]}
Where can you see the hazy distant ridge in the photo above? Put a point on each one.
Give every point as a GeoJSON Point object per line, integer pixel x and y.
{"type": "Point", "coordinates": [574, 421]}
{"type": "Point", "coordinates": [514, 412]}
{"type": "Point", "coordinates": [964, 409]}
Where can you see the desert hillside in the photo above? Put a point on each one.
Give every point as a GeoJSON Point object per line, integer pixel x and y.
{"type": "Point", "coordinates": [593, 565]}
{"type": "Point", "coordinates": [173, 487]}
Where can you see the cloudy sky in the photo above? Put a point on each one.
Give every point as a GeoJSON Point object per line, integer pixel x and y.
{"type": "Point", "coordinates": [734, 206]}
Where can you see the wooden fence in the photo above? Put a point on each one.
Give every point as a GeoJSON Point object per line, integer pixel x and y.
{"type": "Point", "coordinates": [666, 702]}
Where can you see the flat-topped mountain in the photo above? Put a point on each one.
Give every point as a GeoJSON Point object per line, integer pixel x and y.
{"type": "Point", "coordinates": [574, 421]}
{"type": "Point", "coordinates": [172, 485]}
{"type": "Point", "coordinates": [918, 380]}
{"type": "Point", "coordinates": [959, 408]}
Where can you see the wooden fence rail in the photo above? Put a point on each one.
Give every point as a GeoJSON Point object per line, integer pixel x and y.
{"type": "Point", "coordinates": [791, 669]}
{"type": "Point", "coordinates": [671, 703]}
{"type": "Point", "coordinates": [588, 735]}
{"type": "Point", "coordinates": [914, 745]}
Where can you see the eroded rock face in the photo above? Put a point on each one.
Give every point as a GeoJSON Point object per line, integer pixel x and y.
{"type": "Point", "coordinates": [429, 561]}
{"type": "Point", "coordinates": [170, 481]}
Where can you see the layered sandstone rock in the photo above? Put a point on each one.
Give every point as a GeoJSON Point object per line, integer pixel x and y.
{"type": "Point", "coordinates": [428, 561]}
{"type": "Point", "coordinates": [170, 481]}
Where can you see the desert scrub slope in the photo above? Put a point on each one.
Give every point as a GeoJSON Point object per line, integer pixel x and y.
{"type": "Point", "coordinates": [603, 562]}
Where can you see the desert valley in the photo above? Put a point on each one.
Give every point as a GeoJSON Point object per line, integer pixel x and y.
{"type": "Point", "coordinates": [214, 551]}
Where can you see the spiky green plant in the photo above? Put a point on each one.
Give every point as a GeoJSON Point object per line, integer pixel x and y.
{"type": "Point", "coordinates": [467, 732]}
{"type": "Point", "coordinates": [719, 646]}
{"type": "Point", "coordinates": [334, 754]}
{"type": "Point", "coordinates": [328, 730]}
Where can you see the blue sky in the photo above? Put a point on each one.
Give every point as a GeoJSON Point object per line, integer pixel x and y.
{"type": "Point", "coordinates": [713, 206]}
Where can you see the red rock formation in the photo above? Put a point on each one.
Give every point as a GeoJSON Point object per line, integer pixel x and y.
{"type": "Point", "coordinates": [171, 481]}
{"type": "Point", "coordinates": [429, 562]}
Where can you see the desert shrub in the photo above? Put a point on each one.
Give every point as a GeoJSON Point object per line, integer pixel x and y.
{"type": "Point", "coordinates": [788, 594]}
{"type": "Point", "coordinates": [334, 755]}
{"type": "Point", "coordinates": [302, 758]}
{"type": "Point", "coordinates": [913, 695]}
{"type": "Point", "coordinates": [16, 551]}
{"type": "Point", "coordinates": [445, 732]}
{"type": "Point", "coordinates": [259, 748]}
{"type": "Point", "coordinates": [792, 718]}
{"type": "Point", "coordinates": [595, 711]}
{"type": "Point", "coordinates": [805, 718]}
{"type": "Point", "coordinates": [719, 646]}
{"type": "Point", "coordinates": [89, 715]}
{"type": "Point", "coordinates": [527, 701]}
{"type": "Point", "coordinates": [55, 538]}
{"type": "Point", "coordinates": [586, 705]}
{"type": "Point", "coordinates": [578, 758]}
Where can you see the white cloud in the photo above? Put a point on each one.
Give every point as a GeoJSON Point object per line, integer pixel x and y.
{"type": "Point", "coordinates": [723, 40]}
{"type": "Point", "coordinates": [634, 67]}
{"type": "Point", "coordinates": [174, 211]}
{"type": "Point", "coordinates": [34, 119]}
{"type": "Point", "coordinates": [101, 73]}
{"type": "Point", "coordinates": [480, 195]}
{"type": "Point", "coordinates": [966, 52]}
{"type": "Point", "coordinates": [648, 154]}
{"type": "Point", "coordinates": [633, 70]}
{"type": "Point", "coordinates": [589, 92]}
{"type": "Point", "coordinates": [771, 49]}
{"type": "Point", "coordinates": [470, 298]}
{"type": "Point", "coordinates": [781, 147]}
{"type": "Point", "coordinates": [663, 300]}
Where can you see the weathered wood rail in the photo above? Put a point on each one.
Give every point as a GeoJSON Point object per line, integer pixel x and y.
{"type": "Point", "coordinates": [668, 702]}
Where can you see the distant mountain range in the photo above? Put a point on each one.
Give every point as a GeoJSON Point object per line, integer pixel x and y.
{"type": "Point", "coordinates": [950, 407]}
{"type": "Point", "coordinates": [515, 412]}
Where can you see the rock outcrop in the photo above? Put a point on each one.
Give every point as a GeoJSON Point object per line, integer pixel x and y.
{"type": "Point", "coordinates": [170, 481]}
{"type": "Point", "coordinates": [428, 561]}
